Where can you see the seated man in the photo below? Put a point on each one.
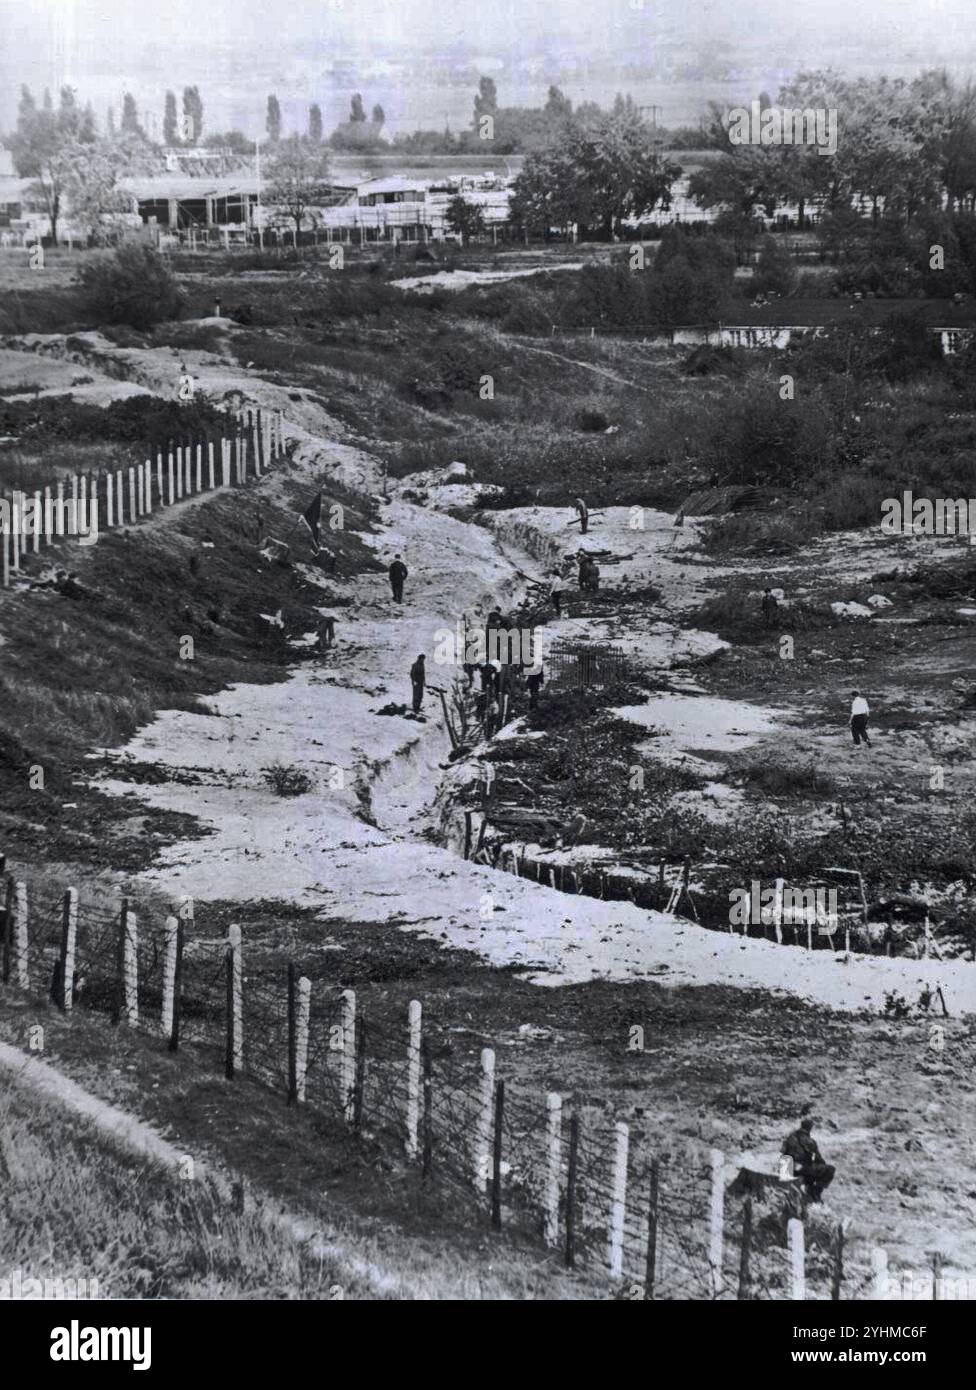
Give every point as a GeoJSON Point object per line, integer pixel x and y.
{"type": "Point", "coordinates": [808, 1162]}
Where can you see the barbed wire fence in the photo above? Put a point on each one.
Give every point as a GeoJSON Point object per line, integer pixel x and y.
{"type": "Point", "coordinates": [661, 1223]}
{"type": "Point", "coordinates": [103, 500]}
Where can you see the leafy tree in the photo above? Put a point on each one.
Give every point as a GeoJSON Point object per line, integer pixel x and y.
{"type": "Point", "coordinates": [42, 147]}
{"type": "Point", "coordinates": [170, 133]}
{"type": "Point", "coordinates": [133, 285]}
{"type": "Point", "coordinates": [298, 175]}
{"type": "Point", "coordinates": [192, 114]}
{"type": "Point", "coordinates": [357, 112]}
{"type": "Point", "coordinates": [595, 175]}
{"type": "Point", "coordinates": [315, 123]}
{"type": "Point", "coordinates": [379, 116]}
{"type": "Point", "coordinates": [97, 202]}
{"type": "Point", "coordinates": [130, 117]}
{"type": "Point", "coordinates": [465, 218]}
{"type": "Point", "coordinates": [235, 141]}
{"type": "Point", "coordinates": [558, 107]}
{"type": "Point", "coordinates": [486, 101]}
{"type": "Point", "coordinates": [776, 269]}
{"type": "Point", "coordinates": [273, 120]}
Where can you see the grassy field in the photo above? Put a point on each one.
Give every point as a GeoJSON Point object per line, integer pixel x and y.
{"type": "Point", "coordinates": [78, 1210]}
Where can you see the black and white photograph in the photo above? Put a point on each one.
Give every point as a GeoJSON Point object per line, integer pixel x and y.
{"type": "Point", "coordinates": [488, 669]}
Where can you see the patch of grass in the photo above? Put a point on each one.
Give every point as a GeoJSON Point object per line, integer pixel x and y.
{"type": "Point", "coordinates": [136, 1229]}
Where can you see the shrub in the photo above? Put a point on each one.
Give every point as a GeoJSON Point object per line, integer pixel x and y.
{"type": "Point", "coordinates": [287, 781]}
{"type": "Point", "coordinates": [133, 285]}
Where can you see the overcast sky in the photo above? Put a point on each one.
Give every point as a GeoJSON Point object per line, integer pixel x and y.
{"type": "Point", "coordinates": [226, 46]}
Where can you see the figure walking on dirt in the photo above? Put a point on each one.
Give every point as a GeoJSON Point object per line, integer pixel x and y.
{"type": "Point", "coordinates": [808, 1162]}
{"type": "Point", "coordinates": [398, 573]}
{"type": "Point", "coordinates": [418, 680]}
{"type": "Point", "coordinates": [583, 514]}
{"type": "Point", "coordinates": [859, 718]}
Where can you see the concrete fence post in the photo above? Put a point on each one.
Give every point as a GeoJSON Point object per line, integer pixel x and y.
{"type": "Point", "coordinates": [170, 929]}
{"type": "Point", "coordinates": [301, 1037]}
{"type": "Point", "coordinates": [798, 1289]}
{"type": "Point", "coordinates": [147, 472]}
{"type": "Point", "coordinates": [179, 472]}
{"type": "Point", "coordinates": [38, 522]}
{"type": "Point", "coordinates": [879, 1273]}
{"type": "Point", "coordinates": [160, 497]}
{"type": "Point", "coordinates": [199, 468]}
{"type": "Point", "coordinates": [554, 1131]}
{"type": "Point", "coordinates": [94, 515]}
{"type": "Point", "coordinates": [414, 1017]}
{"type": "Point", "coordinates": [188, 461]}
{"type": "Point", "coordinates": [210, 463]}
{"type": "Point", "coordinates": [234, 1060]}
{"type": "Point", "coordinates": [48, 518]}
{"type": "Point", "coordinates": [225, 462]}
{"type": "Point", "coordinates": [69, 939]}
{"type": "Point", "coordinates": [483, 1120]}
{"type": "Point", "coordinates": [19, 936]}
{"type": "Point", "coordinates": [15, 534]}
{"type": "Point", "coordinates": [716, 1243]}
{"type": "Point", "coordinates": [347, 1066]}
{"type": "Point", "coordinates": [618, 1200]}
{"type": "Point", "coordinates": [59, 516]}
{"type": "Point", "coordinates": [133, 513]}
{"type": "Point", "coordinates": [170, 478]}
{"type": "Point", "coordinates": [778, 911]}
{"type": "Point", "coordinates": [130, 967]}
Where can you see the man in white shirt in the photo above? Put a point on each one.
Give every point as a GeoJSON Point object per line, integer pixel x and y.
{"type": "Point", "coordinates": [859, 718]}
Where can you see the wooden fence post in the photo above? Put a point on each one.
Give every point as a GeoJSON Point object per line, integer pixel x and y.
{"type": "Point", "coordinates": [225, 462]}
{"type": "Point", "coordinates": [482, 1125]}
{"type": "Point", "coordinates": [879, 1273]}
{"type": "Point", "coordinates": [347, 1069]}
{"type": "Point", "coordinates": [133, 511]}
{"type": "Point", "coordinates": [798, 1289]}
{"type": "Point", "coordinates": [554, 1133]}
{"type": "Point", "coordinates": [147, 486]}
{"type": "Point", "coordinates": [59, 518]}
{"type": "Point", "coordinates": [188, 463]}
{"type": "Point", "coordinates": [170, 932]}
{"type": "Point", "coordinates": [38, 522]}
{"type": "Point", "coordinates": [5, 557]}
{"type": "Point", "coordinates": [414, 1015]}
{"type": "Point", "coordinates": [94, 518]}
{"type": "Point", "coordinates": [160, 498]}
{"type": "Point", "coordinates": [745, 1250]}
{"type": "Point", "coordinates": [650, 1263]}
{"type": "Point", "coordinates": [210, 463]}
{"type": "Point", "coordinates": [69, 938]}
{"type": "Point", "coordinates": [571, 1180]}
{"type": "Point", "coordinates": [199, 468]}
{"type": "Point", "coordinates": [496, 1166]}
{"type": "Point", "coordinates": [618, 1200]}
{"type": "Point", "coordinates": [234, 1060]}
{"type": "Point", "coordinates": [179, 472]}
{"type": "Point", "coordinates": [19, 936]}
{"type": "Point", "coordinates": [170, 476]}
{"type": "Point", "coordinates": [716, 1244]}
{"type": "Point", "coordinates": [428, 1106]}
{"type": "Point", "coordinates": [48, 516]}
{"type": "Point", "coordinates": [292, 1033]}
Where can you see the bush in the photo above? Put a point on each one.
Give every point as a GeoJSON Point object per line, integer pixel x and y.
{"type": "Point", "coordinates": [132, 286]}
{"type": "Point", "coordinates": [287, 781]}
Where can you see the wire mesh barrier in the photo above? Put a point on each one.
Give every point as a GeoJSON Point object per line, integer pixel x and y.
{"type": "Point", "coordinates": [87, 503]}
{"type": "Point", "coordinates": [578, 665]}
{"type": "Point", "coordinates": [660, 1222]}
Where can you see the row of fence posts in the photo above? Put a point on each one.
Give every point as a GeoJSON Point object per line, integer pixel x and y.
{"type": "Point", "coordinates": [107, 500]}
{"type": "Point", "coordinates": [486, 1159]}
